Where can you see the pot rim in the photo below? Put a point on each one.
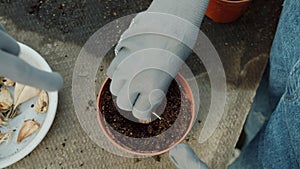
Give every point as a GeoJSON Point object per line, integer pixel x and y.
{"type": "Point", "coordinates": [101, 122]}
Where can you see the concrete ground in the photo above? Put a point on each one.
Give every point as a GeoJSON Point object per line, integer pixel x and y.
{"type": "Point", "coordinates": [58, 29]}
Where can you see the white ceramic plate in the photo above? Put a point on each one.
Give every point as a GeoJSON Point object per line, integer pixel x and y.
{"type": "Point", "coordinates": [13, 152]}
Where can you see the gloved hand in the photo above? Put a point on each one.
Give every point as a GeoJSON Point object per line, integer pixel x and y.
{"type": "Point", "coordinates": [184, 157]}
{"type": "Point", "coordinates": [18, 70]}
{"type": "Point", "coordinates": [151, 51]}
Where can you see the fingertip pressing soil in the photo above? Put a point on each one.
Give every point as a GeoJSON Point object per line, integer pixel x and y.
{"type": "Point", "coordinates": [154, 136]}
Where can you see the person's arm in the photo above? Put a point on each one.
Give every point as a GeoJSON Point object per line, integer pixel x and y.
{"type": "Point", "coordinates": [148, 56]}
{"type": "Point", "coordinates": [151, 51]}
{"type": "Point", "coordinates": [18, 70]}
{"type": "Point", "coordinates": [184, 157]}
{"type": "Point", "coordinates": [190, 10]}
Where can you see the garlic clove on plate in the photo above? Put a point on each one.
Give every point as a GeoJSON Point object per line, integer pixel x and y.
{"type": "Point", "coordinates": [28, 128]}
{"type": "Point", "coordinates": [24, 93]}
{"type": "Point", "coordinates": [6, 100]}
{"type": "Point", "coordinates": [6, 81]}
{"type": "Point", "coordinates": [4, 137]}
{"type": "Point", "coordinates": [42, 102]}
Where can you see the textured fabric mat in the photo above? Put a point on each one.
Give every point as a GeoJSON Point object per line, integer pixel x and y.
{"type": "Point", "coordinates": [58, 29]}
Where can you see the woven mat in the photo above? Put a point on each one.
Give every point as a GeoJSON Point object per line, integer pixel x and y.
{"type": "Point", "coordinates": [57, 30]}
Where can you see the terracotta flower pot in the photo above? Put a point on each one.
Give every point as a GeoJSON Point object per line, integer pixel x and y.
{"type": "Point", "coordinates": [120, 141]}
{"type": "Point", "coordinates": [225, 11]}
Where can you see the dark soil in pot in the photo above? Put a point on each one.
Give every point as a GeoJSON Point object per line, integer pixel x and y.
{"type": "Point", "coordinates": [154, 136]}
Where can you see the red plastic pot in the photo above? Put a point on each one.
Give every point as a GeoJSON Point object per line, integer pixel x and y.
{"type": "Point", "coordinates": [225, 11]}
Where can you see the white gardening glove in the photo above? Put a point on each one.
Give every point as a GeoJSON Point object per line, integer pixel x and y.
{"type": "Point", "coordinates": [151, 51]}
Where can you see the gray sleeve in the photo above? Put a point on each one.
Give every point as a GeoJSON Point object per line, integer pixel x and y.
{"type": "Point", "coordinates": [7, 43]}
{"type": "Point", "coordinates": [20, 71]}
{"type": "Point", "coordinates": [171, 25]}
{"type": "Point", "coordinates": [177, 20]}
{"type": "Point", "coordinates": [191, 10]}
